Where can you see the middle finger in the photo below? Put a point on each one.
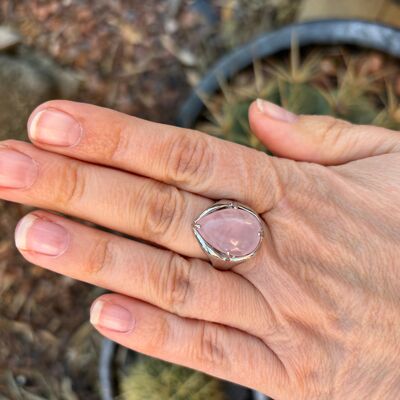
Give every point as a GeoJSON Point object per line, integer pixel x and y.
{"type": "Point", "coordinates": [121, 201]}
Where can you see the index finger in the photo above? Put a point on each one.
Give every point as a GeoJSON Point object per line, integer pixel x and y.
{"type": "Point", "coordinates": [184, 158]}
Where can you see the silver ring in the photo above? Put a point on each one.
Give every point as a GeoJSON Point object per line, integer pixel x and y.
{"type": "Point", "coordinates": [229, 233]}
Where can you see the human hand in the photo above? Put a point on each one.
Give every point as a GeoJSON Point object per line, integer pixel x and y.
{"type": "Point", "coordinates": [314, 315]}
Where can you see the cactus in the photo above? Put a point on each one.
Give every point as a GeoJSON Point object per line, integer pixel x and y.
{"type": "Point", "coordinates": [152, 379]}
{"type": "Point", "coordinates": [354, 86]}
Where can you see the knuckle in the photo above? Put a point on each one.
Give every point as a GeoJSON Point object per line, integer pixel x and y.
{"type": "Point", "coordinates": [173, 283]}
{"type": "Point", "coordinates": [209, 349]}
{"type": "Point", "coordinates": [160, 334]}
{"type": "Point", "coordinates": [118, 143]}
{"type": "Point", "coordinates": [265, 182]}
{"type": "Point", "coordinates": [189, 159]}
{"type": "Point", "coordinates": [334, 130]}
{"type": "Point", "coordinates": [100, 257]}
{"type": "Point", "coordinates": [161, 207]}
{"type": "Point", "coordinates": [70, 184]}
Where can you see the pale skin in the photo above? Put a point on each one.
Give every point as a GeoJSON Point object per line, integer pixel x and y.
{"type": "Point", "coordinates": [314, 315]}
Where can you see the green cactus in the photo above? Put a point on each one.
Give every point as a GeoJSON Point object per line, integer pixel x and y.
{"type": "Point", "coordinates": [356, 86]}
{"type": "Point", "coordinates": [152, 379]}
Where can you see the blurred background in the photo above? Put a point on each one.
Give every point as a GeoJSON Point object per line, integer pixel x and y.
{"type": "Point", "coordinates": [144, 58]}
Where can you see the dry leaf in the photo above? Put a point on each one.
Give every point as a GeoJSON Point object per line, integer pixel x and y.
{"type": "Point", "coordinates": [131, 34]}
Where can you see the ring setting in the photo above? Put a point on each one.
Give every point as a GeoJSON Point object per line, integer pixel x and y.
{"type": "Point", "coordinates": [229, 233]}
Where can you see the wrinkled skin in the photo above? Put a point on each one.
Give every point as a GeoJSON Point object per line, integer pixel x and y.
{"type": "Point", "coordinates": [336, 254]}
{"type": "Point", "coordinates": [314, 315]}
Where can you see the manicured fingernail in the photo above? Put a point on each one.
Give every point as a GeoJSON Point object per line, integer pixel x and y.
{"type": "Point", "coordinates": [17, 170]}
{"type": "Point", "coordinates": [276, 112]}
{"type": "Point", "coordinates": [41, 236]}
{"type": "Point", "coordinates": [111, 316]}
{"type": "Point", "coordinates": [55, 128]}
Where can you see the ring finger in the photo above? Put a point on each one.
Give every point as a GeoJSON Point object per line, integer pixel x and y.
{"type": "Point", "coordinates": [125, 202]}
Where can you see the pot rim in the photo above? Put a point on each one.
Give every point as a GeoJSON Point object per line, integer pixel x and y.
{"type": "Point", "coordinates": [355, 32]}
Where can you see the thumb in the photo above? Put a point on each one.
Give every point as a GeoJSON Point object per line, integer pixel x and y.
{"type": "Point", "coordinates": [320, 139]}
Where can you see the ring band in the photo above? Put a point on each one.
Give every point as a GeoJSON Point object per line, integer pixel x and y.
{"type": "Point", "coordinates": [229, 233]}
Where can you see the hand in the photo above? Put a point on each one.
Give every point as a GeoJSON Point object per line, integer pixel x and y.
{"type": "Point", "coordinates": [314, 315]}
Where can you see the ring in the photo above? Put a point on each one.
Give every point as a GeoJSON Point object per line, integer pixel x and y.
{"type": "Point", "coordinates": [229, 233]}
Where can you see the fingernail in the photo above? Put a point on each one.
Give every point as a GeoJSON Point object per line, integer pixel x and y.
{"type": "Point", "coordinates": [55, 128]}
{"type": "Point", "coordinates": [41, 236]}
{"type": "Point", "coordinates": [111, 316]}
{"type": "Point", "coordinates": [276, 112]}
{"type": "Point", "coordinates": [17, 170]}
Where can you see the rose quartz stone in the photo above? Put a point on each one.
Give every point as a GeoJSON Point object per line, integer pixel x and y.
{"type": "Point", "coordinates": [231, 230]}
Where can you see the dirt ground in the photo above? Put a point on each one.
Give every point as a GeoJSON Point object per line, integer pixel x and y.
{"type": "Point", "coordinates": [139, 57]}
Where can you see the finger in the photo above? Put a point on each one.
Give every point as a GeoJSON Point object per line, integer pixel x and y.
{"type": "Point", "coordinates": [214, 349]}
{"type": "Point", "coordinates": [186, 159]}
{"type": "Point", "coordinates": [319, 139]}
{"type": "Point", "coordinates": [187, 287]}
{"type": "Point", "coordinates": [117, 200]}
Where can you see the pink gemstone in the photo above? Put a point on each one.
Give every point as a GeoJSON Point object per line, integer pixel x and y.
{"type": "Point", "coordinates": [231, 230]}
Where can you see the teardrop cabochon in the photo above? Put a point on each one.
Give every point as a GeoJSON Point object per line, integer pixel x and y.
{"type": "Point", "coordinates": [229, 231]}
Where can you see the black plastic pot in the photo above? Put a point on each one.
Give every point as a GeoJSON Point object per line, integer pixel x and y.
{"type": "Point", "coordinates": [330, 32]}
{"type": "Point", "coordinates": [107, 379]}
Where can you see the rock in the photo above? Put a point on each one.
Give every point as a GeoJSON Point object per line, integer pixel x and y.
{"type": "Point", "coordinates": [27, 80]}
{"type": "Point", "coordinates": [8, 38]}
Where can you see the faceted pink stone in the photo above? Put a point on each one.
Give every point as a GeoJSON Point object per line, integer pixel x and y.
{"type": "Point", "coordinates": [231, 230]}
